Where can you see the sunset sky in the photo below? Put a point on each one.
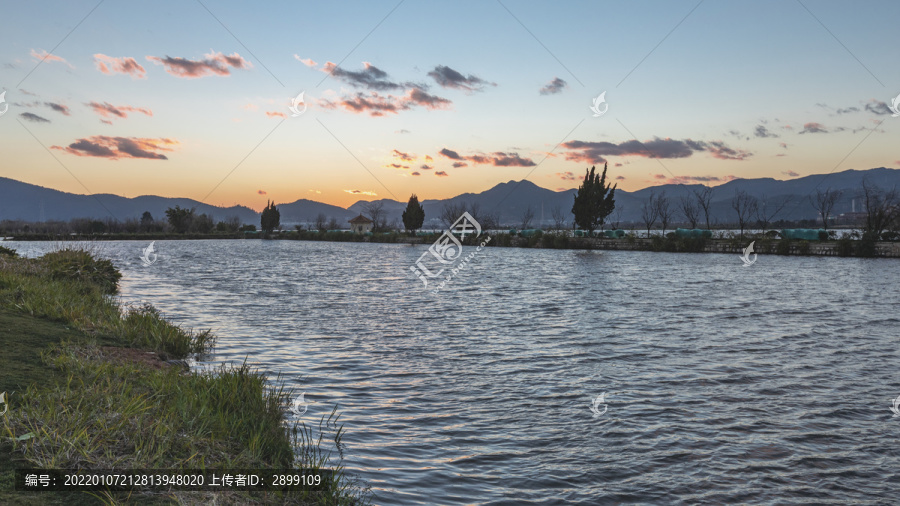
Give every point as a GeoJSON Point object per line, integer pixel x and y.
{"type": "Point", "coordinates": [191, 99]}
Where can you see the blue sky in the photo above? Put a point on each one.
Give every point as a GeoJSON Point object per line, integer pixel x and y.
{"type": "Point", "coordinates": [697, 92]}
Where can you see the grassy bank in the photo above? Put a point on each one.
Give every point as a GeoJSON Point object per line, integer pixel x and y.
{"type": "Point", "coordinates": [89, 387]}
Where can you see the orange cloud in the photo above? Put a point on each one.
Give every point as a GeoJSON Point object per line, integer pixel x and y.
{"type": "Point", "coordinates": [214, 64]}
{"type": "Point", "coordinates": [109, 111]}
{"type": "Point", "coordinates": [125, 65]}
{"type": "Point", "coordinates": [276, 114]}
{"type": "Point", "coordinates": [42, 55]}
{"type": "Point", "coordinates": [113, 148]}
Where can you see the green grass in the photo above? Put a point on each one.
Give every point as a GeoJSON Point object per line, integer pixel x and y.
{"type": "Point", "coordinates": [82, 406]}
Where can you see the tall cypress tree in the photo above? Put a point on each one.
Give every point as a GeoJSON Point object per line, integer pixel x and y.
{"type": "Point", "coordinates": [594, 200]}
{"type": "Point", "coordinates": [271, 218]}
{"type": "Point", "coordinates": [414, 215]}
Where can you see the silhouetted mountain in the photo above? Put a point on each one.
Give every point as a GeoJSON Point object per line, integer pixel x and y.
{"type": "Point", "coordinates": [508, 201]}
{"type": "Point", "coordinates": [23, 201]}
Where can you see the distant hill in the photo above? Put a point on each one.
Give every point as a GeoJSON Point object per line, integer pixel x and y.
{"type": "Point", "coordinates": [23, 201]}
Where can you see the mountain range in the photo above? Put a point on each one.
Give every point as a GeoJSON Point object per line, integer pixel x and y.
{"type": "Point", "coordinates": [507, 201]}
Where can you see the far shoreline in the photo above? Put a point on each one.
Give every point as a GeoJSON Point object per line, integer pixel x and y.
{"type": "Point", "coordinates": [763, 243]}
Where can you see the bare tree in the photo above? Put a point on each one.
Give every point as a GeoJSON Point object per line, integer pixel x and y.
{"type": "Point", "coordinates": [321, 221]}
{"type": "Point", "coordinates": [664, 210]}
{"type": "Point", "coordinates": [649, 212]}
{"type": "Point", "coordinates": [824, 203]}
{"type": "Point", "coordinates": [689, 210]}
{"type": "Point", "coordinates": [527, 216]}
{"type": "Point", "coordinates": [333, 224]}
{"type": "Point", "coordinates": [451, 212]}
{"type": "Point", "coordinates": [559, 219]}
{"type": "Point", "coordinates": [768, 209]}
{"type": "Point", "coordinates": [745, 206]}
{"type": "Point", "coordinates": [617, 218]}
{"type": "Point", "coordinates": [377, 214]}
{"type": "Point", "coordinates": [882, 208]}
{"type": "Point", "coordinates": [704, 200]}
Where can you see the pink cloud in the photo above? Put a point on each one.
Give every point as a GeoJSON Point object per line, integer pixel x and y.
{"type": "Point", "coordinates": [124, 65]}
{"type": "Point", "coordinates": [376, 104]}
{"type": "Point", "coordinates": [113, 148]}
{"type": "Point", "coordinates": [261, 192]}
{"type": "Point", "coordinates": [214, 64]}
{"type": "Point", "coordinates": [441, 173]}
{"type": "Point", "coordinates": [306, 61]}
{"type": "Point", "coordinates": [276, 114]}
{"type": "Point", "coordinates": [42, 55]}
{"type": "Point", "coordinates": [109, 111]}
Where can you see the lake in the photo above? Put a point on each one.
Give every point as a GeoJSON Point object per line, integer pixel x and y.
{"type": "Point", "coordinates": [723, 384]}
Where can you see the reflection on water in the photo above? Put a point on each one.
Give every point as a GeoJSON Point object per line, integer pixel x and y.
{"type": "Point", "coordinates": [724, 384]}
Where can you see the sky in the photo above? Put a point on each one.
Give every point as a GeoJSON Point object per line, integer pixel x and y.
{"type": "Point", "coordinates": [193, 99]}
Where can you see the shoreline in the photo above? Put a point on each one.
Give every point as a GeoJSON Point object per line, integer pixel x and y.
{"type": "Point", "coordinates": [94, 385]}
{"type": "Point", "coordinates": [845, 247]}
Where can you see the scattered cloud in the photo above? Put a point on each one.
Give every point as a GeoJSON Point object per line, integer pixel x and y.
{"type": "Point", "coordinates": [261, 192]}
{"type": "Point", "coordinates": [415, 174]}
{"type": "Point", "coordinates": [397, 166]}
{"type": "Point", "coordinates": [659, 176]}
{"type": "Point", "coordinates": [457, 165]}
{"type": "Point", "coordinates": [402, 131]}
{"type": "Point", "coordinates": [315, 191]}
{"type": "Point", "coordinates": [275, 114]}
{"type": "Point", "coordinates": [497, 159]}
{"type": "Point", "coordinates": [306, 61]}
{"type": "Point", "coordinates": [555, 86]}
{"type": "Point", "coordinates": [783, 145]}
{"type": "Point", "coordinates": [113, 148]}
{"type": "Point", "coordinates": [763, 132]}
{"type": "Point", "coordinates": [813, 128]}
{"type": "Point", "coordinates": [34, 117]}
{"type": "Point", "coordinates": [377, 105]}
{"type": "Point", "coordinates": [426, 167]}
{"type": "Point", "coordinates": [595, 152]}
{"type": "Point", "coordinates": [370, 77]}
{"type": "Point", "coordinates": [453, 155]}
{"type": "Point", "coordinates": [428, 158]}
{"type": "Point", "coordinates": [848, 110]}
{"type": "Point", "coordinates": [124, 65]}
{"type": "Point", "coordinates": [441, 173]}
{"type": "Point", "coordinates": [790, 173]}
{"type": "Point", "coordinates": [41, 55]}
{"type": "Point", "coordinates": [567, 176]}
{"type": "Point", "coordinates": [404, 157]}
{"type": "Point", "coordinates": [213, 64]}
{"type": "Point", "coordinates": [446, 77]}
{"type": "Point", "coordinates": [620, 178]}
{"type": "Point", "coordinates": [109, 111]}
{"type": "Point", "coordinates": [878, 107]}
{"type": "Point", "coordinates": [361, 192]}
{"type": "Point", "coordinates": [62, 109]}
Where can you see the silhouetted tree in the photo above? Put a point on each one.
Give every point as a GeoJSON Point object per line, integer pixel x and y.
{"type": "Point", "coordinates": [745, 206]}
{"type": "Point", "coordinates": [414, 215]}
{"type": "Point", "coordinates": [377, 214]}
{"type": "Point", "coordinates": [824, 203]}
{"type": "Point", "coordinates": [664, 210]}
{"type": "Point", "coordinates": [146, 220]}
{"type": "Point", "coordinates": [650, 212]}
{"type": "Point", "coordinates": [527, 216]}
{"type": "Point", "coordinates": [690, 210]}
{"type": "Point", "coordinates": [594, 201]}
{"type": "Point", "coordinates": [768, 209]}
{"type": "Point", "coordinates": [321, 222]}
{"type": "Point", "coordinates": [180, 218]}
{"type": "Point", "coordinates": [704, 200]}
{"type": "Point", "coordinates": [270, 218]}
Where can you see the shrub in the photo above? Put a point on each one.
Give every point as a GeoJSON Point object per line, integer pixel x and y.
{"type": "Point", "coordinates": [845, 247]}
{"type": "Point", "coordinates": [8, 252]}
{"type": "Point", "coordinates": [783, 247]}
{"type": "Point", "coordinates": [803, 247]}
{"type": "Point", "coordinates": [80, 265]}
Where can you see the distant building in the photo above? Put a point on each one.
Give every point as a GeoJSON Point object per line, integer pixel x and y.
{"type": "Point", "coordinates": [360, 225]}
